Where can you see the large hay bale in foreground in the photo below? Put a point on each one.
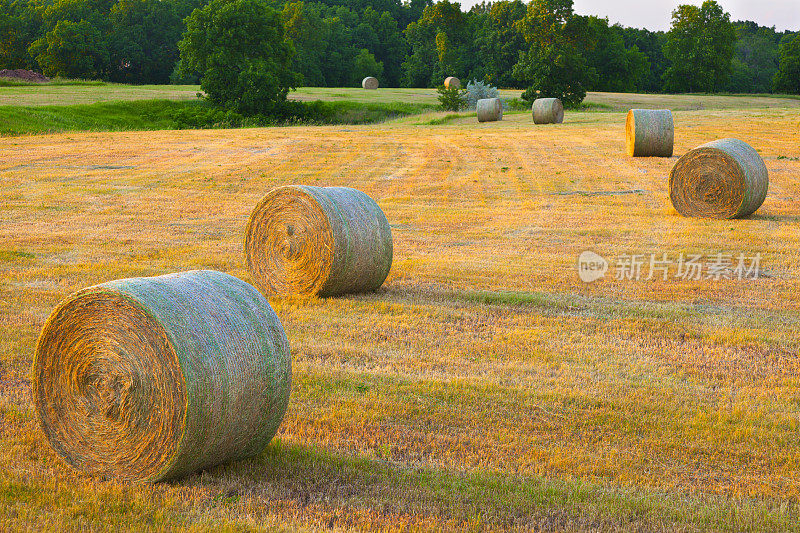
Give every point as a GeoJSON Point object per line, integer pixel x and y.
{"type": "Point", "coordinates": [451, 82]}
{"type": "Point", "coordinates": [318, 241]}
{"type": "Point", "coordinates": [154, 378]}
{"type": "Point", "coordinates": [649, 132]}
{"type": "Point", "coordinates": [547, 111]}
{"type": "Point", "coordinates": [489, 109]}
{"type": "Point", "coordinates": [721, 179]}
{"type": "Point", "coordinates": [370, 83]}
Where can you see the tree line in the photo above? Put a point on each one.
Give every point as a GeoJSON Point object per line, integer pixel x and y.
{"type": "Point", "coordinates": [541, 46]}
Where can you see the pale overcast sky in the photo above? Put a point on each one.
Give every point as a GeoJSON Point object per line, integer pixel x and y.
{"type": "Point", "coordinates": [657, 14]}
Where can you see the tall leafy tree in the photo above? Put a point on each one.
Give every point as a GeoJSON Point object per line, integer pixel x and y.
{"type": "Point", "coordinates": [390, 47]}
{"type": "Point", "coordinates": [20, 25]}
{"type": "Point", "coordinates": [787, 80]}
{"type": "Point", "coordinates": [439, 44]}
{"type": "Point", "coordinates": [700, 47]}
{"type": "Point", "coordinates": [755, 61]}
{"type": "Point", "coordinates": [240, 48]}
{"type": "Point", "coordinates": [339, 54]}
{"type": "Point", "coordinates": [651, 44]}
{"type": "Point", "coordinates": [552, 66]}
{"type": "Point", "coordinates": [498, 42]}
{"type": "Point", "coordinates": [73, 50]}
{"type": "Point", "coordinates": [304, 27]}
{"type": "Point", "coordinates": [143, 41]}
{"type": "Point", "coordinates": [617, 68]}
{"type": "Point", "coordinates": [365, 65]}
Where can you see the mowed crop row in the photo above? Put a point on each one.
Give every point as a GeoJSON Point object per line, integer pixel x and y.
{"type": "Point", "coordinates": [485, 384]}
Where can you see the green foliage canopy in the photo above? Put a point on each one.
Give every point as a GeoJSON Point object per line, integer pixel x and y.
{"type": "Point", "coordinates": [552, 66]}
{"type": "Point", "coordinates": [240, 49]}
{"type": "Point", "coordinates": [787, 80]}
{"type": "Point", "coordinates": [700, 47]}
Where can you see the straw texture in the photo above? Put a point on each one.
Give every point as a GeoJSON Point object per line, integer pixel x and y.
{"type": "Point", "coordinates": [547, 111]}
{"type": "Point", "coordinates": [451, 82]}
{"type": "Point", "coordinates": [489, 109]}
{"type": "Point", "coordinates": [649, 132]}
{"type": "Point", "coordinates": [154, 378]}
{"type": "Point", "coordinates": [370, 83]}
{"type": "Point", "coordinates": [318, 241]}
{"type": "Point", "coordinates": [721, 179]}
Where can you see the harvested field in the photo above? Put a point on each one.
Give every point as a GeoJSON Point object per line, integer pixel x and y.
{"type": "Point", "coordinates": [484, 386]}
{"type": "Point", "coordinates": [55, 94]}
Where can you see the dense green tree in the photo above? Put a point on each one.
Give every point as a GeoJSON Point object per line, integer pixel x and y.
{"type": "Point", "coordinates": [20, 25]}
{"type": "Point", "coordinates": [240, 48]}
{"type": "Point", "coordinates": [439, 45]}
{"type": "Point", "coordinates": [787, 80]}
{"type": "Point", "coordinates": [339, 52]}
{"type": "Point", "coordinates": [651, 44]}
{"type": "Point", "coordinates": [498, 42]}
{"type": "Point", "coordinates": [615, 67]}
{"type": "Point", "coordinates": [391, 46]}
{"type": "Point", "coordinates": [755, 60]}
{"type": "Point", "coordinates": [304, 26]}
{"type": "Point", "coordinates": [506, 43]}
{"type": "Point", "coordinates": [72, 50]}
{"type": "Point", "coordinates": [700, 47]}
{"type": "Point", "coordinates": [143, 44]}
{"type": "Point", "coordinates": [552, 66]}
{"type": "Point", "coordinates": [365, 65]}
{"type": "Point", "coordinates": [74, 43]}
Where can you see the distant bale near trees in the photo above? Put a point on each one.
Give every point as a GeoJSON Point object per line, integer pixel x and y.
{"type": "Point", "coordinates": [720, 179]}
{"type": "Point", "coordinates": [154, 378]}
{"type": "Point", "coordinates": [649, 132]}
{"type": "Point", "coordinates": [451, 82]}
{"type": "Point", "coordinates": [489, 109]}
{"type": "Point", "coordinates": [370, 83]}
{"type": "Point", "coordinates": [547, 111]}
{"type": "Point", "coordinates": [320, 241]}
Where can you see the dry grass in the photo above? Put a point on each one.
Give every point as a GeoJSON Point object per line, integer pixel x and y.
{"type": "Point", "coordinates": [485, 386]}
{"type": "Point", "coordinates": [88, 94]}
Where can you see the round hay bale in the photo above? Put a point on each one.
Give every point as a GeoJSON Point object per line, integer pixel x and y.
{"type": "Point", "coordinates": [154, 378]}
{"type": "Point", "coordinates": [649, 132]}
{"type": "Point", "coordinates": [318, 241]}
{"type": "Point", "coordinates": [370, 83]}
{"type": "Point", "coordinates": [547, 111]}
{"type": "Point", "coordinates": [489, 109]}
{"type": "Point", "coordinates": [721, 179]}
{"type": "Point", "coordinates": [451, 82]}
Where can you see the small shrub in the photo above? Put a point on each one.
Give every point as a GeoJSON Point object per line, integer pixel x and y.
{"type": "Point", "coordinates": [517, 104]}
{"type": "Point", "coordinates": [477, 90]}
{"type": "Point", "coordinates": [452, 99]}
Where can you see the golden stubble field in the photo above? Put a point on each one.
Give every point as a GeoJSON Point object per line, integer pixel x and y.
{"type": "Point", "coordinates": [485, 386]}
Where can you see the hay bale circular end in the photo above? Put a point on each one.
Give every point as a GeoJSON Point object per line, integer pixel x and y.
{"type": "Point", "coordinates": [649, 133]}
{"type": "Point", "coordinates": [547, 111]}
{"type": "Point", "coordinates": [489, 109]}
{"type": "Point", "coordinates": [370, 83]}
{"type": "Point", "coordinates": [154, 378]}
{"type": "Point", "coordinates": [318, 241]}
{"type": "Point", "coordinates": [451, 82]}
{"type": "Point", "coordinates": [721, 179]}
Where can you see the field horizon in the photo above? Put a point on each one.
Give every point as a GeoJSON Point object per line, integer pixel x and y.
{"type": "Point", "coordinates": [485, 386]}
